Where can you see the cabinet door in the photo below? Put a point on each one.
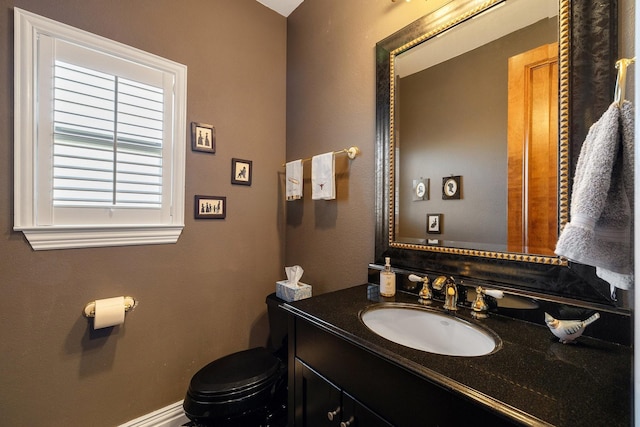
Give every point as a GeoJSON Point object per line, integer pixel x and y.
{"type": "Point", "coordinates": [317, 401]}
{"type": "Point", "coordinates": [354, 414]}
{"type": "Point", "coordinates": [320, 403]}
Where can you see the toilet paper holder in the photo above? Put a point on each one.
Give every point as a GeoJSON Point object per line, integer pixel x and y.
{"type": "Point", "coordinates": [90, 309]}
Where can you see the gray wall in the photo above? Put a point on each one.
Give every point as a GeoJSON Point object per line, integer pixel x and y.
{"type": "Point", "coordinates": [331, 105]}
{"type": "Point", "coordinates": [200, 298]}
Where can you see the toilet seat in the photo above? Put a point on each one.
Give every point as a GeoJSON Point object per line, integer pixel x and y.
{"type": "Point", "coordinates": [233, 385]}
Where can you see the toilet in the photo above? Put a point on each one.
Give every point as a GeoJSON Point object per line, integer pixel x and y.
{"type": "Point", "coordinates": [246, 388]}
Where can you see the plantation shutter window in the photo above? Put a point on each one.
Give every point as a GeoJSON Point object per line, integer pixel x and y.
{"type": "Point", "coordinates": [100, 141]}
{"type": "Point", "coordinates": [107, 140]}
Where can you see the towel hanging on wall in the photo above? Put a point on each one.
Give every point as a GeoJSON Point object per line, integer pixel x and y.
{"type": "Point", "coordinates": [322, 174]}
{"type": "Point", "coordinates": [294, 180]}
{"type": "Point", "coordinates": [600, 230]}
{"type": "Point", "coordinates": [323, 177]}
{"type": "Point", "coordinates": [623, 186]}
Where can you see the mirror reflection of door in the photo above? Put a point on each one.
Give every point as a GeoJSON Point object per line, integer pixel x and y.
{"type": "Point", "coordinates": [533, 151]}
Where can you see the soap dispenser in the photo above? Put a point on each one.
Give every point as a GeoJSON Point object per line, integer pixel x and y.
{"type": "Point", "coordinates": [387, 280]}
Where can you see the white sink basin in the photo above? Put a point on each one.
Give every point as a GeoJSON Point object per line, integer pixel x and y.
{"type": "Point", "coordinates": [428, 330]}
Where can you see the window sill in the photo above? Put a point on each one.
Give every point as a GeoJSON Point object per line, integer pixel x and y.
{"type": "Point", "coordinates": [47, 238]}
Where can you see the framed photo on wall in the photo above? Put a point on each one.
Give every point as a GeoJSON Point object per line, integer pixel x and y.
{"type": "Point", "coordinates": [451, 186]}
{"type": "Point", "coordinates": [210, 207]}
{"type": "Point", "coordinates": [434, 223]}
{"type": "Point", "coordinates": [203, 137]}
{"type": "Point", "coordinates": [241, 171]}
{"type": "Point", "coordinates": [420, 189]}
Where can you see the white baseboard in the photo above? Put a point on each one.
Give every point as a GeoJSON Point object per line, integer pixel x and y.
{"type": "Point", "coordinates": [169, 416]}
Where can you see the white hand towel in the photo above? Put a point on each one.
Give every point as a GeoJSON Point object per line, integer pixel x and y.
{"type": "Point", "coordinates": [294, 180]}
{"type": "Point", "coordinates": [323, 177]}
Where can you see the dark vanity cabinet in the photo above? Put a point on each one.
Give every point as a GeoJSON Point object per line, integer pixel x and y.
{"type": "Point", "coordinates": [340, 369]}
{"type": "Point", "coordinates": [319, 403]}
{"type": "Point", "coordinates": [337, 383]}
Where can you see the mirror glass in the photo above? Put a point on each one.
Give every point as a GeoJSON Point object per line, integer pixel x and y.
{"type": "Point", "coordinates": [475, 135]}
{"type": "Point", "coordinates": [454, 195]}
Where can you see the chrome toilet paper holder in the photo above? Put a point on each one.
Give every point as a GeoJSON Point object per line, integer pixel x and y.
{"type": "Point", "coordinates": [90, 309]}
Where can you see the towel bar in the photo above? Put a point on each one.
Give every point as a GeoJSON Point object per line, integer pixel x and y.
{"type": "Point", "coordinates": [352, 152]}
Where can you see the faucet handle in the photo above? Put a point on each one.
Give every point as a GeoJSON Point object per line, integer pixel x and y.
{"type": "Point", "coordinates": [425, 296]}
{"type": "Point", "coordinates": [497, 294]}
{"type": "Point", "coordinates": [479, 306]}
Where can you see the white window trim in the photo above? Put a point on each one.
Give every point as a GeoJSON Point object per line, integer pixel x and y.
{"type": "Point", "coordinates": [27, 27]}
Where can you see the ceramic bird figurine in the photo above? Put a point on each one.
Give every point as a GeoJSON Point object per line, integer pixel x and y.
{"type": "Point", "coordinates": [568, 330]}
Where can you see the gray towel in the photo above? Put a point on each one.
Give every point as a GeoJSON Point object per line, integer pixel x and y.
{"type": "Point", "coordinates": [600, 230]}
{"type": "Point", "coordinates": [625, 182]}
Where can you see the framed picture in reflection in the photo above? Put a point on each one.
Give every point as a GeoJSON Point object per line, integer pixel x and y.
{"type": "Point", "coordinates": [451, 186]}
{"type": "Point", "coordinates": [420, 189]}
{"type": "Point", "coordinates": [434, 223]}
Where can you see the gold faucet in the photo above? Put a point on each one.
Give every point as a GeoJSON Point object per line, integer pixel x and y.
{"type": "Point", "coordinates": [450, 291]}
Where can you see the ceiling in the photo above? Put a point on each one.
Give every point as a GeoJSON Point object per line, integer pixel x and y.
{"type": "Point", "coordinates": [283, 7]}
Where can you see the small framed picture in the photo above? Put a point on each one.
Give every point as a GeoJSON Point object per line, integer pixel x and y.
{"type": "Point", "coordinates": [420, 189]}
{"type": "Point", "coordinates": [203, 137]}
{"type": "Point", "coordinates": [210, 207]}
{"type": "Point", "coordinates": [451, 187]}
{"type": "Point", "coordinates": [241, 171]}
{"type": "Point", "coordinates": [434, 223]}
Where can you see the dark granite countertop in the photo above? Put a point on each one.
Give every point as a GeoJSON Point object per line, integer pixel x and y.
{"type": "Point", "coordinates": [532, 379]}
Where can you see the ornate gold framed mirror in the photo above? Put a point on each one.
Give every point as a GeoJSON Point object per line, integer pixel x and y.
{"type": "Point", "coordinates": [584, 79]}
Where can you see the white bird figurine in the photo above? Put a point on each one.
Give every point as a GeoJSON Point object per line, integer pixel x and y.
{"type": "Point", "coordinates": [568, 330]}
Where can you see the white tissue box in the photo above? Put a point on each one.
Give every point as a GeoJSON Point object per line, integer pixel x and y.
{"type": "Point", "coordinates": [289, 292]}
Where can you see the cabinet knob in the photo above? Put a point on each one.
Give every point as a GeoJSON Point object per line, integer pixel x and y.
{"type": "Point", "coordinates": [347, 423]}
{"type": "Point", "coordinates": [331, 415]}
